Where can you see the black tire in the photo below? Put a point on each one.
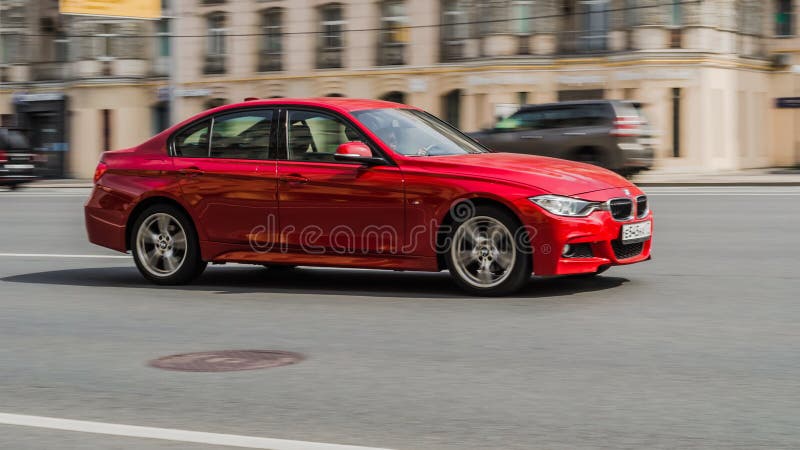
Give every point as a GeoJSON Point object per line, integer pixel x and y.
{"type": "Point", "coordinates": [191, 265]}
{"type": "Point", "coordinates": [521, 268]}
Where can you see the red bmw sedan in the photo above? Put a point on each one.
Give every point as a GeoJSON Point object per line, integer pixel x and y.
{"type": "Point", "coordinates": [358, 183]}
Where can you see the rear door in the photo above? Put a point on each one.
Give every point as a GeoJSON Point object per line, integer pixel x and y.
{"type": "Point", "coordinates": [572, 129]}
{"type": "Point", "coordinates": [334, 207]}
{"type": "Point", "coordinates": [228, 169]}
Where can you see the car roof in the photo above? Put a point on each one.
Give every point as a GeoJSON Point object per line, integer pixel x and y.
{"type": "Point", "coordinates": [340, 103]}
{"type": "Point", "coordinates": [567, 103]}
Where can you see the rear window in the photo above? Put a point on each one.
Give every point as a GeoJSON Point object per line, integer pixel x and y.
{"type": "Point", "coordinates": [13, 140]}
{"type": "Point", "coordinates": [628, 109]}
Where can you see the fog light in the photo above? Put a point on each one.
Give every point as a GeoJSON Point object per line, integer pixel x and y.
{"type": "Point", "coordinates": [567, 250]}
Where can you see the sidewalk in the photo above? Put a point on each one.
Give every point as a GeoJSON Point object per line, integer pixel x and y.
{"type": "Point", "coordinates": [658, 177]}
{"type": "Point", "coordinates": [775, 176]}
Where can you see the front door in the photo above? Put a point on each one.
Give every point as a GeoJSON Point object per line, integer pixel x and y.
{"type": "Point", "coordinates": [332, 207]}
{"type": "Point", "coordinates": [228, 168]}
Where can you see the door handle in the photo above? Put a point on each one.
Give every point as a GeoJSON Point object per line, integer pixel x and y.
{"type": "Point", "coordinates": [574, 133]}
{"type": "Point", "coordinates": [294, 178]}
{"type": "Point", "coordinates": [531, 136]}
{"type": "Point", "coordinates": [191, 171]}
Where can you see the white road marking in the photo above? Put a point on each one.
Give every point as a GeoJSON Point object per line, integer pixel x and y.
{"type": "Point", "coordinates": [197, 437]}
{"type": "Point", "coordinates": [58, 255]}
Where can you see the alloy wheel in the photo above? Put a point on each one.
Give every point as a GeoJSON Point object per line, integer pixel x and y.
{"type": "Point", "coordinates": [483, 252]}
{"type": "Point", "coordinates": [161, 243]}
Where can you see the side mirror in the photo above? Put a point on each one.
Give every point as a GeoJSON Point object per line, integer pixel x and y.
{"type": "Point", "coordinates": [359, 152]}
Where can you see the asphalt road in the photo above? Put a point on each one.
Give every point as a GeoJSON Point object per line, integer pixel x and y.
{"type": "Point", "coordinates": [699, 348]}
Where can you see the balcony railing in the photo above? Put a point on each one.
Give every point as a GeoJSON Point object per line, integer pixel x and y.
{"type": "Point", "coordinates": [391, 54]}
{"type": "Point", "coordinates": [580, 42]}
{"type": "Point", "coordinates": [214, 65]}
{"type": "Point", "coordinates": [50, 71]}
{"type": "Point", "coordinates": [454, 50]}
{"type": "Point", "coordinates": [329, 58]}
{"type": "Point", "coordinates": [270, 62]}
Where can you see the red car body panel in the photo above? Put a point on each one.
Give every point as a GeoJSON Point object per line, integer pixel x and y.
{"type": "Point", "coordinates": [252, 211]}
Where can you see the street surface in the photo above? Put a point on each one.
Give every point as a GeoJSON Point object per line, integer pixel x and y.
{"type": "Point", "coordinates": [699, 348]}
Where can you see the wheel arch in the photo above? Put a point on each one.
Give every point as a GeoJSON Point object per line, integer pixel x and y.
{"type": "Point", "coordinates": [148, 202]}
{"type": "Point", "coordinates": [447, 219]}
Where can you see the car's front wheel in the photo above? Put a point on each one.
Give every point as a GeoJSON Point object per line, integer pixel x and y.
{"type": "Point", "coordinates": [165, 246]}
{"type": "Point", "coordinates": [487, 252]}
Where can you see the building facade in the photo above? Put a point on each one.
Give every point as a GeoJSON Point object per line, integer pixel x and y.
{"type": "Point", "coordinates": [708, 72]}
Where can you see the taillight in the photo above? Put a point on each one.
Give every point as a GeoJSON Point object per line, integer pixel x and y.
{"type": "Point", "coordinates": [3, 156]}
{"type": "Point", "coordinates": [626, 127]}
{"type": "Point", "coordinates": [99, 171]}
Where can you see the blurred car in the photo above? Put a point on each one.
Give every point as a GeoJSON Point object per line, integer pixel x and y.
{"type": "Point", "coordinates": [17, 160]}
{"type": "Point", "coordinates": [609, 133]}
{"type": "Point", "coordinates": [358, 183]}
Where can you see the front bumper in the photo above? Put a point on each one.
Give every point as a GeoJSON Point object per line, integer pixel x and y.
{"type": "Point", "coordinates": [636, 156]}
{"type": "Point", "coordinates": [599, 231]}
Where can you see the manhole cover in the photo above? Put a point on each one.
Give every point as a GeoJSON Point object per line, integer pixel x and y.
{"type": "Point", "coordinates": [227, 360]}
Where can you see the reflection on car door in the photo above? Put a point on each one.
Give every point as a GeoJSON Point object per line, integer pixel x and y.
{"type": "Point", "coordinates": [228, 175]}
{"type": "Point", "coordinates": [335, 207]}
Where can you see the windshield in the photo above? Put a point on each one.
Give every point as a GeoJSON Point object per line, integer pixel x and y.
{"type": "Point", "coordinates": [416, 133]}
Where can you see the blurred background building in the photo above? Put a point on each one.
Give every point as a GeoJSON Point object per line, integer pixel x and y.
{"type": "Point", "coordinates": [709, 72]}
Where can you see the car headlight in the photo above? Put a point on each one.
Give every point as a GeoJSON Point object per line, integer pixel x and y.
{"type": "Point", "coordinates": [565, 206]}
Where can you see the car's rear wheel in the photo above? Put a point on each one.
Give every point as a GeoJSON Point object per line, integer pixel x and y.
{"type": "Point", "coordinates": [165, 246]}
{"type": "Point", "coordinates": [487, 253]}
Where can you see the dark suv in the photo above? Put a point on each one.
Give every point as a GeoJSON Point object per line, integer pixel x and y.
{"type": "Point", "coordinates": [16, 158]}
{"type": "Point", "coordinates": [609, 133]}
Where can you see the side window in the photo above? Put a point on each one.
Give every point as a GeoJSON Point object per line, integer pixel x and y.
{"type": "Point", "coordinates": [524, 120]}
{"type": "Point", "coordinates": [314, 136]}
{"type": "Point", "coordinates": [559, 118]}
{"type": "Point", "coordinates": [598, 115]}
{"type": "Point", "coordinates": [242, 135]}
{"type": "Point", "coordinates": [192, 142]}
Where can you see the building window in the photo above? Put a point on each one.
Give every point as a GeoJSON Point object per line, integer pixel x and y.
{"type": "Point", "coordinates": [105, 42]}
{"type": "Point", "coordinates": [61, 48]}
{"type": "Point", "coordinates": [162, 31]}
{"type": "Point", "coordinates": [216, 45]}
{"type": "Point", "coordinates": [784, 25]}
{"type": "Point", "coordinates": [451, 107]}
{"type": "Point", "coordinates": [522, 17]}
{"type": "Point", "coordinates": [160, 117]}
{"type": "Point", "coordinates": [11, 48]}
{"type": "Point", "coordinates": [394, 96]}
{"type": "Point", "coordinates": [676, 14]}
{"type": "Point", "coordinates": [394, 33]}
{"type": "Point", "coordinates": [331, 44]}
{"type": "Point", "coordinates": [595, 25]}
{"type": "Point", "coordinates": [455, 29]}
{"type": "Point", "coordinates": [106, 129]}
{"type": "Point", "coordinates": [676, 122]}
{"type": "Point", "coordinates": [631, 13]}
{"type": "Point", "coordinates": [271, 55]}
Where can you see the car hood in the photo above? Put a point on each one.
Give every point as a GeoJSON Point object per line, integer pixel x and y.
{"type": "Point", "coordinates": [557, 176]}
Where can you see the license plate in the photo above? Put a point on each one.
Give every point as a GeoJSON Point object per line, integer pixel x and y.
{"type": "Point", "coordinates": [636, 232]}
{"type": "Point", "coordinates": [19, 166]}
